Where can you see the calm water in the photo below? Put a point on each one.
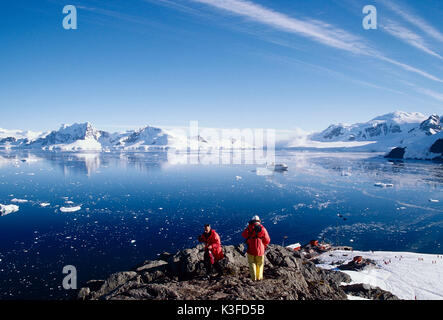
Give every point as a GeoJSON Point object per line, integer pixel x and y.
{"type": "Point", "coordinates": [162, 205]}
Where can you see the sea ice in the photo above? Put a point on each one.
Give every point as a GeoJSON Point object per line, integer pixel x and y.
{"type": "Point", "coordinates": [7, 209]}
{"type": "Point", "coordinates": [19, 200]}
{"type": "Point", "coordinates": [70, 209]}
{"type": "Point", "coordinates": [383, 185]}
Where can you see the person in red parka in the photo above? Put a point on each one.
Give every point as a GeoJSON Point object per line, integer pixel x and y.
{"type": "Point", "coordinates": [257, 239]}
{"type": "Point", "coordinates": [213, 250]}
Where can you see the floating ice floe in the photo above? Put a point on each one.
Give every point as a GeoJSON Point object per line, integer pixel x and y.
{"type": "Point", "coordinates": [383, 185]}
{"type": "Point", "coordinates": [70, 209]}
{"type": "Point", "coordinates": [238, 178]}
{"type": "Point", "coordinates": [7, 209]}
{"type": "Point", "coordinates": [19, 200]}
{"type": "Point", "coordinates": [132, 241]}
{"type": "Point", "coordinates": [44, 204]}
{"type": "Point", "coordinates": [434, 200]}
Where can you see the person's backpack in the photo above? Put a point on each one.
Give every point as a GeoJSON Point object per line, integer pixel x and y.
{"type": "Point", "coordinates": [257, 230]}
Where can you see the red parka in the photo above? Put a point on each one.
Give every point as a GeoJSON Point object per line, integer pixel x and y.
{"type": "Point", "coordinates": [257, 242]}
{"type": "Point", "coordinates": [212, 239]}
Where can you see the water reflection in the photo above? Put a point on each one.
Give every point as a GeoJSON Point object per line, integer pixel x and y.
{"type": "Point", "coordinates": [320, 164]}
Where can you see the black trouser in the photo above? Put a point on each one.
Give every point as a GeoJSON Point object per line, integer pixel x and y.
{"type": "Point", "coordinates": [209, 266]}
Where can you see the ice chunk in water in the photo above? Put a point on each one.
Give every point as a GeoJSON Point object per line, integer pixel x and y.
{"type": "Point", "coordinates": [383, 185]}
{"type": "Point", "coordinates": [19, 200]}
{"type": "Point", "coordinates": [70, 209]}
{"type": "Point", "coordinates": [7, 209]}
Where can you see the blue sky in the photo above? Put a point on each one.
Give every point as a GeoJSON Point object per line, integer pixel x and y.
{"type": "Point", "coordinates": [226, 63]}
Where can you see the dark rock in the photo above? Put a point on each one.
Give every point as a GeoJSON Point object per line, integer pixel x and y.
{"type": "Point", "coordinates": [153, 266]}
{"type": "Point", "coordinates": [432, 125]}
{"type": "Point", "coordinates": [84, 294]}
{"type": "Point", "coordinates": [396, 153]}
{"type": "Point", "coordinates": [358, 265]}
{"type": "Point", "coordinates": [114, 281]}
{"type": "Point", "coordinates": [287, 275]}
{"type": "Point", "coordinates": [437, 147]}
{"type": "Point", "coordinates": [368, 292]}
{"type": "Point", "coordinates": [94, 285]}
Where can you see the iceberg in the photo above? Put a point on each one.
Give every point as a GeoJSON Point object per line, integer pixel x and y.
{"type": "Point", "coordinates": [7, 209]}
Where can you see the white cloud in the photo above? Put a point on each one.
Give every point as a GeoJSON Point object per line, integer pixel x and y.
{"type": "Point", "coordinates": [409, 37]}
{"type": "Point", "coordinates": [410, 68]}
{"type": "Point", "coordinates": [315, 30]}
{"type": "Point", "coordinates": [436, 95]}
{"type": "Point", "coordinates": [415, 20]}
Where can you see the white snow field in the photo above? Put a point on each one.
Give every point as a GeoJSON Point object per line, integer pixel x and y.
{"type": "Point", "coordinates": [408, 275]}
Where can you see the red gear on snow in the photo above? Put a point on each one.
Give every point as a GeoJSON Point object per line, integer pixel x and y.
{"type": "Point", "coordinates": [257, 242]}
{"type": "Point", "coordinates": [213, 239]}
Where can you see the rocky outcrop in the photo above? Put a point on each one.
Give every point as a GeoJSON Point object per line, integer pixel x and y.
{"type": "Point", "coordinates": [368, 292]}
{"type": "Point", "coordinates": [396, 153]}
{"type": "Point", "coordinates": [182, 276]}
{"type": "Point", "coordinates": [431, 126]}
{"type": "Point", "coordinates": [358, 264]}
{"type": "Point", "coordinates": [437, 147]}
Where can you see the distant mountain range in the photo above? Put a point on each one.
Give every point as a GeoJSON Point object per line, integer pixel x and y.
{"type": "Point", "coordinates": [402, 135]}
{"type": "Point", "coordinates": [84, 137]}
{"type": "Point", "coordinates": [399, 134]}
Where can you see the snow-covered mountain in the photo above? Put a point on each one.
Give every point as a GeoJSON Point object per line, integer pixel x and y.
{"type": "Point", "coordinates": [400, 134]}
{"type": "Point", "coordinates": [14, 138]}
{"type": "Point", "coordinates": [391, 125]}
{"type": "Point", "coordinates": [19, 134]}
{"type": "Point", "coordinates": [71, 137]}
{"type": "Point", "coordinates": [428, 147]}
{"type": "Point", "coordinates": [84, 137]}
